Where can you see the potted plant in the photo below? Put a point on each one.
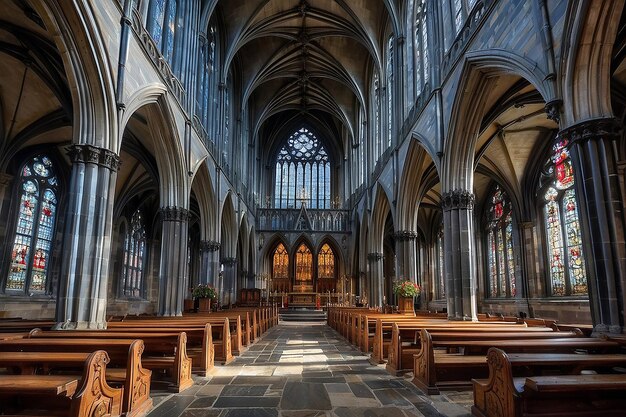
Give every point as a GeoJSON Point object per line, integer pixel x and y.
{"type": "Point", "coordinates": [406, 291]}
{"type": "Point", "coordinates": [204, 293]}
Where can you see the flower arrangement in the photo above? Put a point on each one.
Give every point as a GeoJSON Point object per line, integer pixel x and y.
{"type": "Point", "coordinates": [204, 291]}
{"type": "Point", "coordinates": [406, 289]}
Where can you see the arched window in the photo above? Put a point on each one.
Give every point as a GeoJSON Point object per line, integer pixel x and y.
{"type": "Point", "coordinates": [326, 262]}
{"type": "Point", "coordinates": [440, 278]}
{"type": "Point", "coordinates": [460, 11]}
{"type": "Point", "coordinates": [376, 117]}
{"type": "Point", "coordinates": [280, 263]}
{"type": "Point", "coordinates": [304, 265]}
{"type": "Point", "coordinates": [420, 47]}
{"type": "Point", "coordinates": [162, 25]}
{"type": "Point", "coordinates": [568, 275]}
{"type": "Point", "coordinates": [207, 83]}
{"type": "Point", "coordinates": [132, 282]}
{"type": "Point", "coordinates": [500, 251]}
{"type": "Point", "coordinates": [302, 173]}
{"type": "Point", "coordinates": [390, 91]}
{"type": "Point", "coordinates": [34, 229]}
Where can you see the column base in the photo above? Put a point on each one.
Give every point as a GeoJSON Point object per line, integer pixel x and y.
{"type": "Point", "coordinates": [79, 325]}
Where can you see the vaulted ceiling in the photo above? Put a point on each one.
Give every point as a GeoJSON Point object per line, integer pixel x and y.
{"type": "Point", "coordinates": [304, 62]}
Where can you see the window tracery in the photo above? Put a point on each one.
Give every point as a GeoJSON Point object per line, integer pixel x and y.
{"type": "Point", "coordinates": [304, 265]}
{"type": "Point", "coordinates": [303, 172]}
{"type": "Point", "coordinates": [566, 263]}
{"type": "Point", "coordinates": [420, 47]}
{"type": "Point", "coordinates": [500, 248]}
{"type": "Point", "coordinates": [132, 279]}
{"type": "Point", "coordinates": [280, 264]}
{"type": "Point", "coordinates": [35, 227]}
{"type": "Point", "coordinates": [162, 26]}
{"type": "Point", "coordinates": [326, 262]}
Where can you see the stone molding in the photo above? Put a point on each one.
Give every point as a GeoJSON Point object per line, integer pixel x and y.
{"type": "Point", "coordinates": [5, 180]}
{"type": "Point", "coordinates": [553, 110]}
{"type": "Point", "coordinates": [405, 235]}
{"type": "Point", "coordinates": [229, 261]}
{"type": "Point", "coordinates": [374, 256]}
{"type": "Point", "coordinates": [87, 154]}
{"type": "Point", "coordinates": [174, 214]}
{"type": "Point", "coordinates": [209, 246]}
{"type": "Point", "coordinates": [457, 199]}
{"type": "Point", "coordinates": [608, 128]}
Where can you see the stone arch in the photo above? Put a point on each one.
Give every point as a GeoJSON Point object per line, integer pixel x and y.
{"type": "Point", "coordinates": [202, 187]}
{"type": "Point", "coordinates": [418, 164]}
{"type": "Point", "coordinates": [229, 228]}
{"type": "Point", "coordinates": [481, 69]}
{"type": "Point", "coordinates": [84, 56]}
{"type": "Point", "coordinates": [588, 40]}
{"type": "Point", "coordinates": [380, 209]}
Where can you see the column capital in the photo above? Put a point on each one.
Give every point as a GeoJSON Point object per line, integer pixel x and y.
{"type": "Point", "coordinates": [405, 235]}
{"type": "Point", "coordinates": [174, 214]}
{"type": "Point", "coordinates": [229, 261]}
{"type": "Point", "coordinates": [375, 256]}
{"type": "Point", "coordinates": [457, 199]}
{"type": "Point", "coordinates": [607, 128]}
{"type": "Point", "coordinates": [87, 154]}
{"type": "Point", "coordinates": [209, 246]}
{"type": "Point", "coordinates": [553, 110]}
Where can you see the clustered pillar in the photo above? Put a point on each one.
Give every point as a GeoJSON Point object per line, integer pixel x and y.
{"type": "Point", "coordinates": [594, 152]}
{"type": "Point", "coordinates": [82, 297]}
{"type": "Point", "coordinates": [210, 263]}
{"type": "Point", "coordinates": [375, 279]}
{"type": "Point", "coordinates": [460, 254]}
{"type": "Point", "coordinates": [174, 265]}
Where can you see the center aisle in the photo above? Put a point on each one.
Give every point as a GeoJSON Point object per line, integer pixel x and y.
{"type": "Point", "coordinates": [298, 370]}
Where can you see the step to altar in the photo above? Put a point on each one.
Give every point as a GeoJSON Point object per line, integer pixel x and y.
{"type": "Point", "coordinates": [303, 314]}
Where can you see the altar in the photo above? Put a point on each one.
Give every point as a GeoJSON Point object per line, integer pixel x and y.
{"type": "Point", "coordinates": [303, 299]}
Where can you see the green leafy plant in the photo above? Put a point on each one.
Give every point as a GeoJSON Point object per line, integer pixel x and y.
{"type": "Point", "coordinates": [204, 291]}
{"type": "Point", "coordinates": [406, 289]}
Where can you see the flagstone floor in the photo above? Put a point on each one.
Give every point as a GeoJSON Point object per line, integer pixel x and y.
{"type": "Point", "coordinates": [302, 370]}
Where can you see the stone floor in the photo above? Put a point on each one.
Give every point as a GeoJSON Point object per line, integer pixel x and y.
{"type": "Point", "coordinates": [302, 370]}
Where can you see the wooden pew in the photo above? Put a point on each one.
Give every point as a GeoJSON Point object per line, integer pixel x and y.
{"type": "Point", "coordinates": [433, 368]}
{"type": "Point", "coordinates": [135, 379]}
{"type": "Point", "coordinates": [381, 341]}
{"type": "Point", "coordinates": [71, 395]}
{"type": "Point", "coordinates": [587, 395]}
{"type": "Point", "coordinates": [165, 353]}
{"type": "Point", "coordinates": [199, 341]}
{"type": "Point", "coordinates": [222, 327]}
{"type": "Point", "coordinates": [401, 351]}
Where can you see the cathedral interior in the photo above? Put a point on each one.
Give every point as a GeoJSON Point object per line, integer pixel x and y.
{"type": "Point", "coordinates": [335, 147]}
{"type": "Point", "coordinates": [307, 152]}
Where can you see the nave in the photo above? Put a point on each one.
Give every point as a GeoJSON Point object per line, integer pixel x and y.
{"type": "Point", "coordinates": [306, 369]}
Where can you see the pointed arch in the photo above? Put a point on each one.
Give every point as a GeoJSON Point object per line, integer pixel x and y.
{"type": "Point", "coordinates": [480, 70]}
{"type": "Point", "coordinates": [380, 211]}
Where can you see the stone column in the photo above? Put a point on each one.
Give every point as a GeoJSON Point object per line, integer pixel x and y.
{"type": "Point", "coordinates": [459, 254]}
{"type": "Point", "coordinates": [209, 262]}
{"type": "Point", "coordinates": [595, 154]}
{"type": "Point", "coordinates": [528, 285]}
{"type": "Point", "coordinates": [406, 260]}
{"type": "Point", "coordinates": [82, 297]}
{"type": "Point", "coordinates": [6, 181]}
{"type": "Point", "coordinates": [375, 279]}
{"type": "Point", "coordinates": [229, 286]}
{"type": "Point", "coordinates": [174, 266]}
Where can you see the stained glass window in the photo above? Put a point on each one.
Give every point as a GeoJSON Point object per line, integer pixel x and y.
{"type": "Point", "coordinates": [500, 247]}
{"type": "Point", "coordinates": [132, 282]}
{"type": "Point", "coordinates": [390, 91]}
{"type": "Point", "coordinates": [420, 47]}
{"type": "Point", "coordinates": [35, 227]}
{"type": "Point", "coordinates": [440, 282]}
{"type": "Point", "coordinates": [281, 263]}
{"type": "Point", "coordinates": [377, 139]}
{"type": "Point", "coordinates": [304, 265]}
{"type": "Point", "coordinates": [302, 173]}
{"type": "Point", "coordinates": [162, 25]}
{"type": "Point", "coordinates": [566, 264]}
{"type": "Point", "coordinates": [326, 262]}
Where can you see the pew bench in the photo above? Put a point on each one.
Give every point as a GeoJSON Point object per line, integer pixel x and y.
{"type": "Point", "coordinates": [199, 341]}
{"type": "Point", "coordinates": [63, 395]}
{"type": "Point", "coordinates": [125, 370]}
{"type": "Point", "coordinates": [583, 395]}
{"type": "Point", "coordinates": [434, 369]}
{"type": "Point", "coordinates": [402, 349]}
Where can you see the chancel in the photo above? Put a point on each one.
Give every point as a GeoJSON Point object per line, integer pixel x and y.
{"type": "Point", "coordinates": [312, 207]}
